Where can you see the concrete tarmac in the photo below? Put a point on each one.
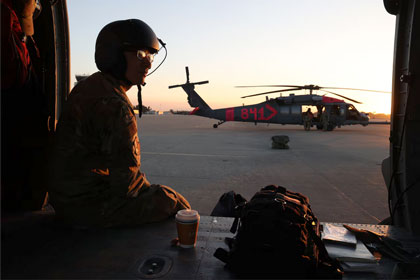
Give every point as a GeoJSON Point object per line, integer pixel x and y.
{"type": "Point", "coordinates": [340, 171]}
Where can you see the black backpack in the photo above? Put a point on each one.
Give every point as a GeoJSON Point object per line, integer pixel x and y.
{"type": "Point", "coordinates": [278, 236]}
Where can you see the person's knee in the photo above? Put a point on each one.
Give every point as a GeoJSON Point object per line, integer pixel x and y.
{"type": "Point", "coordinates": [178, 200]}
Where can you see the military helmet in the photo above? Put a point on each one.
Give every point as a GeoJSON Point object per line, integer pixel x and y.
{"type": "Point", "coordinates": [119, 36]}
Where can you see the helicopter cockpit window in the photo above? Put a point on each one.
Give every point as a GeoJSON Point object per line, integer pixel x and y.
{"type": "Point", "coordinates": [352, 112]}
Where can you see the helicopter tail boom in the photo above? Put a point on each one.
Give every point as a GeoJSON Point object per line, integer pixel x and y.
{"type": "Point", "coordinates": [194, 99]}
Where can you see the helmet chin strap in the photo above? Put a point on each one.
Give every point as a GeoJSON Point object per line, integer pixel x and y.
{"type": "Point", "coordinates": [140, 85]}
{"type": "Point", "coordinates": [139, 99]}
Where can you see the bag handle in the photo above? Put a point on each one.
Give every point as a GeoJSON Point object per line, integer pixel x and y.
{"type": "Point", "coordinates": [238, 213]}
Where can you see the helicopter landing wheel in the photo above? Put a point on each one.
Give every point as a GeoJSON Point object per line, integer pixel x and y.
{"type": "Point", "coordinates": [330, 127]}
{"type": "Point", "coordinates": [217, 124]}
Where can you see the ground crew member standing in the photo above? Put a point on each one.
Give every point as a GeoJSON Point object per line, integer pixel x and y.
{"type": "Point", "coordinates": [325, 120]}
{"type": "Point", "coordinates": [96, 177]}
{"type": "Point", "coordinates": [307, 119]}
{"type": "Point", "coordinates": [24, 115]}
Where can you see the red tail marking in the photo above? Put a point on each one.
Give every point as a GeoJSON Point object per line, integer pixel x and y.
{"type": "Point", "coordinates": [273, 112]}
{"type": "Point", "coordinates": [194, 111]}
{"type": "Point", "coordinates": [326, 99]}
{"type": "Point", "coordinates": [230, 114]}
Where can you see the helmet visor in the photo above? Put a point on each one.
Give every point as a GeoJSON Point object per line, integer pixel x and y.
{"type": "Point", "coordinates": [142, 54]}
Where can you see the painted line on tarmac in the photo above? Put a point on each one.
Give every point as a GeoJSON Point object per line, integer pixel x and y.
{"type": "Point", "coordinates": [348, 198]}
{"type": "Point", "coordinates": [325, 176]}
{"type": "Point", "coordinates": [191, 155]}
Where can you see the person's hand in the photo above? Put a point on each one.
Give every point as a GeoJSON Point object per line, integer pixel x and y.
{"type": "Point", "coordinates": [28, 8]}
{"type": "Point", "coordinates": [25, 10]}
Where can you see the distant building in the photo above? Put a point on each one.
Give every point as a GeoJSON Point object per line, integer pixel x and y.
{"type": "Point", "coordinates": [156, 112]}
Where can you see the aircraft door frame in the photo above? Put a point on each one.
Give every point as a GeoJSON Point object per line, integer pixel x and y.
{"type": "Point", "coordinates": [52, 38]}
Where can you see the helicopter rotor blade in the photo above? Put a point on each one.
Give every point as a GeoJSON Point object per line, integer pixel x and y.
{"type": "Point", "coordinates": [268, 86]}
{"type": "Point", "coordinates": [269, 92]}
{"type": "Point", "coordinates": [315, 87]}
{"type": "Point", "coordinates": [381, 91]}
{"type": "Point", "coordinates": [345, 97]}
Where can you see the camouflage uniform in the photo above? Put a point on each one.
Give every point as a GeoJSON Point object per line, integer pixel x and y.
{"type": "Point", "coordinates": [307, 121]}
{"type": "Point", "coordinates": [96, 178]}
{"type": "Point", "coordinates": [325, 121]}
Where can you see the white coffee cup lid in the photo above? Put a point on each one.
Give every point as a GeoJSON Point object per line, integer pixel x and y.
{"type": "Point", "coordinates": [187, 215]}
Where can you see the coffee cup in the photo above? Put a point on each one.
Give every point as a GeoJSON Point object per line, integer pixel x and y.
{"type": "Point", "coordinates": [187, 222]}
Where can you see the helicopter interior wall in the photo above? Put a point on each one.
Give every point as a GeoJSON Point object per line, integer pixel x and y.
{"type": "Point", "coordinates": [53, 65]}
{"type": "Point", "coordinates": [28, 180]}
{"type": "Point", "coordinates": [411, 189]}
{"type": "Point", "coordinates": [45, 64]}
{"type": "Point", "coordinates": [404, 187]}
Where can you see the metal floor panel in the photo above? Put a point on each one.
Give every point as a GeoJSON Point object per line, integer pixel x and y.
{"type": "Point", "coordinates": [43, 249]}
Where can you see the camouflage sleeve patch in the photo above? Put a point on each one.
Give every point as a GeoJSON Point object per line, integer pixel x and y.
{"type": "Point", "coordinates": [120, 143]}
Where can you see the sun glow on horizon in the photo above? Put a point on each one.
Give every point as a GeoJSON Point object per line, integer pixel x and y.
{"type": "Point", "coordinates": [347, 44]}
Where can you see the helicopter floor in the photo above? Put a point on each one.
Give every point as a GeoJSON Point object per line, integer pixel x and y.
{"type": "Point", "coordinates": [33, 246]}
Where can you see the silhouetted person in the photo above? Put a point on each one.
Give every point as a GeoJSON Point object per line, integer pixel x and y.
{"type": "Point", "coordinates": [24, 115]}
{"type": "Point", "coordinates": [96, 177]}
{"type": "Point", "coordinates": [307, 119]}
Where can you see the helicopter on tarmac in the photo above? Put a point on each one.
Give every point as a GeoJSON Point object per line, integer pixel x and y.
{"type": "Point", "coordinates": [331, 112]}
